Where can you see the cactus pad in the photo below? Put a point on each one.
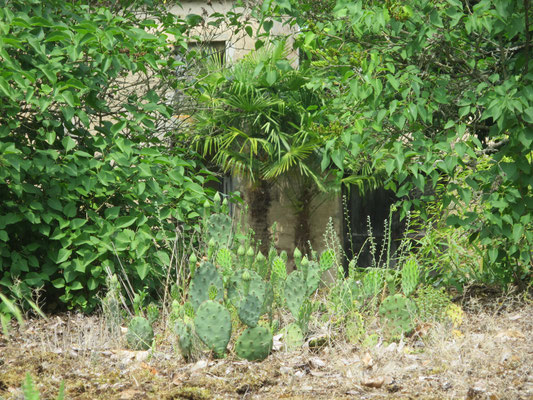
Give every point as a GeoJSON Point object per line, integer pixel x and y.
{"type": "Point", "coordinates": [250, 310]}
{"type": "Point", "coordinates": [243, 283]}
{"type": "Point", "coordinates": [397, 311]}
{"type": "Point", "coordinates": [313, 277]}
{"type": "Point", "coordinates": [327, 259]}
{"type": "Point", "coordinates": [140, 334]}
{"type": "Point", "coordinates": [254, 344]}
{"type": "Point", "coordinates": [372, 282]}
{"type": "Point", "coordinates": [293, 337]}
{"type": "Point", "coordinates": [152, 313]}
{"type": "Point", "coordinates": [213, 326]}
{"type": "Point", "coordinates": [184, 333]}
{"type": "Point", "coordinates": [410, 276]}
{"type": "Point", "coordinates": [205, 277]}
{"type": "Point", "coordinates": [295, 292]}
{"type": "Point", "coordinates": [261, 265]}
{"type": "Point", "coordinates": [219, 229]}
{"type": "Point", "coordinates": [225, 260]}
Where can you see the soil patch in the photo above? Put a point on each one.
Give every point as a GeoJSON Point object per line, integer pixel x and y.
{"type": "Point", "coordinates": [490, 356]}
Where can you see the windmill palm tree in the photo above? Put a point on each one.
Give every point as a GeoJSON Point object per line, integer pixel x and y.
{"type": "Point", "coordinates": [260, 122]}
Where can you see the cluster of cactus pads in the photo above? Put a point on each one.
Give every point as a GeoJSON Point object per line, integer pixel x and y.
{"type": "Point", "coordinates": [246, 286]}
{"type": "Point", "coordinates": [211, 319]}
{"type": "Point", "coordinates": [235, 282]}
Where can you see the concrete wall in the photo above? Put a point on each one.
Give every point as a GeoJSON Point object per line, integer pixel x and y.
{"type": "Point", "coordinates": [238, 44]}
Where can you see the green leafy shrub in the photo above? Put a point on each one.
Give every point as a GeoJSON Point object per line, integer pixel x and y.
{"type": "Point", "coordinates": [88, 180]}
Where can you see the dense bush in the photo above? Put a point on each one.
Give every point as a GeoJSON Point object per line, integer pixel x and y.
{"type": "Point", "coordinates": [432, 91]}
{"type": "Point", "coordinates": [88, 181]}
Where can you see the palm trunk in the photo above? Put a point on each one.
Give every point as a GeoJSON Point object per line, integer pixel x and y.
{"type": "Point", "coordinates": [302, 231]}
{"type": "Point", "coordinates": [259, 200]}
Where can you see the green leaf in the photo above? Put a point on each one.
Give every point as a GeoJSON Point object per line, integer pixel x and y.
{"type": "Point", "coordinates": [68, 96]}
{"type": "Point", "coordinates": [92, 284]}
{"type": "Point", "coordinates": [63, 255]}
{"type": "Point", "coordinates": [118, 127]}
{"type": "Point", "coordinates": [58, 283]}
{"type": "Point", "coordinates": [528, 115]}
{"type": "Point", "coordinates": [142, 269]}
{"type": "Point", "coordinates": [70, 210]}
{"type": "Point", "coordinates": [267, 25]}
{"type": "Point", "coordinates": [112, 213]}
{"type": "Point", "coordinates": [76, 285]}
{"type": "Point", "coordinates": [518, 231]}
{"type": "Point", "coordinates": [77, 223]}
{"type": "Point", "coordinates": [124, 222]}
{"type": "Point", "coordinates": [6, 89]}
{"type": "Point", "coordinates": [50, 137]}
{"type": "Point", "coordinates": [68, 143]}
{"type": "Point", "coordinates": [436, 19]}
{"type": "Point", "coordinates": [164, 259]}
{"type": "Point", "coordinates": [271, 77]}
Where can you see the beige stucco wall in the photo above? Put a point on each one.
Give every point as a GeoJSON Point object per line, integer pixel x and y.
{"type": "Point", "coordinates": [238, 44]}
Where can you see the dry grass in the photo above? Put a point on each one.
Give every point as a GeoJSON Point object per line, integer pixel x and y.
{"type": "Point", "coordinates": [490, 356]}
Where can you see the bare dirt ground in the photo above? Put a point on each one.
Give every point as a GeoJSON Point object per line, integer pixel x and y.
{"type": "Point", "coordinates": [490, 356]}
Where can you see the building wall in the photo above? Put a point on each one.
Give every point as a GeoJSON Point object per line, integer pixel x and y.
{"type": "Point", "coordinates": [238, 44]}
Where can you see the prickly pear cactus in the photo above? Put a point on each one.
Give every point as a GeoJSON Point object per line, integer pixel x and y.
{"type": "Point", "coordinates": [188, 310]}
{"type": "Point", "coordinates": [243, 283]}
{"type": "Point", "coordinates": [249, 257]}
{"type": "Point", "coordinates": [240, 254]}
{"type": "Point", "coordinates": [205, 277]}
{"type": "Point", "coordinates": [391, 278]}
{"type": "Point", "coordinates": [225, 260]}
{"type": "Point", "coordinates": [213, 326]}
{"type": "Point", "coordinates": [192, 264]}
{"type": "Point", "coordinates": [219, 229]}
{"type": "Point", "coordinates": [354, 328]}
{"type": "Point", "coordinates": [111, 305]}
{"type": "Point", "coordinates": [397, 310]}
{"type": "Point", "coordinates": [304, 315]}
{"type": "Point", "coordinates": [372, 282]}
{"type": "Point", "coordinates": [269, 298]}
{"type": "Point", "coordinates": [140, 334]}
{"type": "Point", "coordinates": [261, 265]}
{"type": "Point", "coordinates": [313, 277]}
{"type": "Point", "coordinates": [185, 338]}
{"type": "Point", "coordinates": [272, 254]}
{"type": "Point", "coordinates": [293, 337]}
{"type": "Point", "coordinates": [284, 256]}
{"type": "Point", "coordinates": [250, 310]}
{"type": "Point", "coordinates": [278, 276]}
{"type": "Point", "coordinates": [152, 313]}
{"type": "Point", "coordinates": [346, 295]}
{"type": "Point", "coordinates": [295, 292]}
{"type": "Point", "coordinates": [254, 344]}
{"type": "Point", "coordinates": [327, 259]}
{"type": "Point", "coordinates": [297, 255]}
{"type": "Point", "coordinates": [410, 276]}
